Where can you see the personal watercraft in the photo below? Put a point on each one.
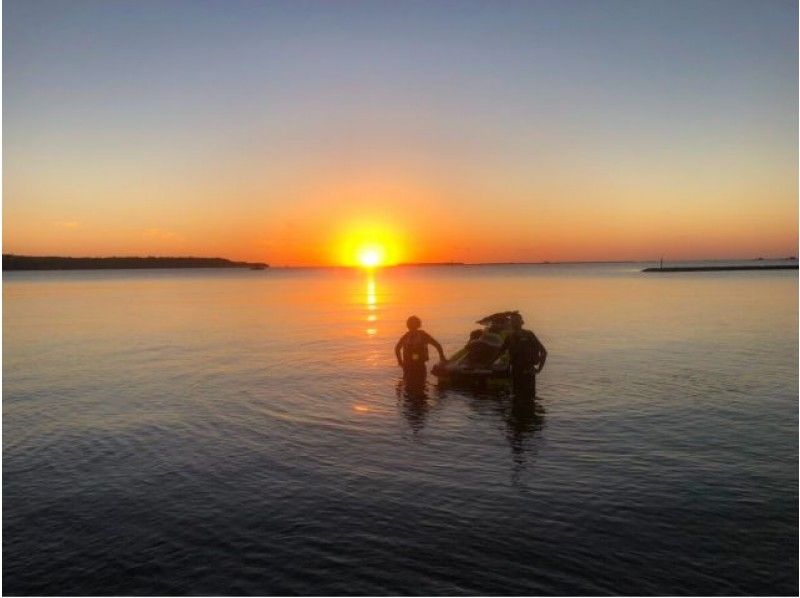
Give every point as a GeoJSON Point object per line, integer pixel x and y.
{"type": "Point", "coordinates": [484, 356]}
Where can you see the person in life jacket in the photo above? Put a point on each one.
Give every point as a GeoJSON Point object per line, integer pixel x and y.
{"type": "Point", "coordinates": [527, 356]}
{"type": "Point", "coordinates": [412, 349]}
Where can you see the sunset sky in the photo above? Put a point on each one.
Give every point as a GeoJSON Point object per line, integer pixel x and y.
{"type": "Point", "coordinates": [295, 132]}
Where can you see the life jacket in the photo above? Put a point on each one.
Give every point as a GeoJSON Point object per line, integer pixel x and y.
{"type": "Point", "coordinates": [415, 347]}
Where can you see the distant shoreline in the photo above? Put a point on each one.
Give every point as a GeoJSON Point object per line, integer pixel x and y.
{"type": "Point", "coordinates": [719, 268]}
{"type": "Point", "coordinates": [12, 262]}
{"type": "Point", "coordinates": [27, 262]}
{"type": "Point", "coordinates": [598, 262]}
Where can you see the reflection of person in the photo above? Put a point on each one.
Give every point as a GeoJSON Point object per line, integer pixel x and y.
{"type": "Point", "coordinates": [526, 356]}
{"type": "Point", "coordinates": [415, 403]}
{"type": "Point", "coordinates": [414, 347]}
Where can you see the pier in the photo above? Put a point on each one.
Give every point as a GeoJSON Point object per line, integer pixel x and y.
{"type": "Point", "coordinates": [719, 268]}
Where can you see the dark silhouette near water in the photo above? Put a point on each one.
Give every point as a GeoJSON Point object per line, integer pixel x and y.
{"type": "Point", "coordinates": [415, 410]}
{"type": "Point", "coordinates": [527, 356]}
{"type": "Point", "coordinates": [412, 352]}
{"type": "Point", "coordinates": [485, 345]}
{"type": "Point", "coordinates": [413, 398]}
{"type": "Point", "coordinates": [28, 262]}
{"type": "Point", "coordinates": [719, 268]}
{"type": "Point", "coordinates": [523, 417]}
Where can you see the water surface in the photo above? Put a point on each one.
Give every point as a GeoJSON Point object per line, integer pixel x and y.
{"type": "Point", "coordinates": [243, 432]}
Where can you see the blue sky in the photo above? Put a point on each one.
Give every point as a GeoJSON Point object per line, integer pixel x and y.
{"type": "Point", "coordinates": [218, 123]}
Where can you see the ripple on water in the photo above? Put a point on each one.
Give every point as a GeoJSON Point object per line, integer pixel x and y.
{"type": "Point", "coordinates": [254, 441]}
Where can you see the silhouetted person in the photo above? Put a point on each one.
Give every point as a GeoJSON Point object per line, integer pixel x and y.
{"type": "Point", "coordinates": [412, 352]}
{"type": "Point", "coordinates": [526, 356]}
{"type": "Point", "coordinates": [485, 346]}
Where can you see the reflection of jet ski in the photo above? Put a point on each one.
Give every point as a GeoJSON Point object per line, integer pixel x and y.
{"type": "Point", "coordinates": [483, 357]}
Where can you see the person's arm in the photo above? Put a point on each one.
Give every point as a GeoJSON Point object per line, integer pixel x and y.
{"type": "Point", "coordinates": [438, 347]}
{"type": "Point", "coordinates": [397, 350]}
{"type": "Point", "coordinates": [541, 355]}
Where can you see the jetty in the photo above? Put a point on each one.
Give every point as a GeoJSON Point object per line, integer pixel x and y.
{"type": "Point", "coordinates": [720, 268]}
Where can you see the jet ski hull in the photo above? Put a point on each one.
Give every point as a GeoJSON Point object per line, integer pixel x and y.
{"type": "Point", "coordinates": [484, 356]}
{"type": "Point", "coordinates": [458, 368]}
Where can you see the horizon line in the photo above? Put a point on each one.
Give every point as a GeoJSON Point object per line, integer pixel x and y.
{"type": "Point", "coordinates": [417, 264]}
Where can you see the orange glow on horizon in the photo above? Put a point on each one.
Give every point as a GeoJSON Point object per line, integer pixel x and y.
{"type": "Point", "coordinates": [371, 223]}
{"type": "Point", "coordinates": [369, 245]}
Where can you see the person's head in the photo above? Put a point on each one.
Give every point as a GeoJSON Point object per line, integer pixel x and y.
{"type": "Point", "coordinates": [516, 321]}
{"type": "Point", "coordinates": [497, 323]}
{"type": "Point", "coordinates": [413, 323]}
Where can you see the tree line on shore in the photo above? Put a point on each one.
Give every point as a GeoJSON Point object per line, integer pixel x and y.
{"type": "Point", "coordinates": [27, 262]}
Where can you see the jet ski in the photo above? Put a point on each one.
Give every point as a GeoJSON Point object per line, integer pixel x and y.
{"type": "Point", "coordinates": [483, 357]}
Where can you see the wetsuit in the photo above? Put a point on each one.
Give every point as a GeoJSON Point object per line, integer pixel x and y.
{"type": "Point", "coordinates": [525, 351]}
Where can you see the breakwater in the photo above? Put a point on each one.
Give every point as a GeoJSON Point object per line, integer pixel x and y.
{"type": "Point", "coordinates": [719, 268]}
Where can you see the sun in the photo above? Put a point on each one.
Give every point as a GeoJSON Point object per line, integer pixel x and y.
{"type": "Point", "coordinates": [371, 256]}
{"type": "Point", "coordinates": [368, 245]}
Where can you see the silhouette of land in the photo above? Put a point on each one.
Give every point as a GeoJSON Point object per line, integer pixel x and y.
{"type": "Point", "coordinates": [28, 262]}
{"type": "Point", "coordinates": [719, 268]}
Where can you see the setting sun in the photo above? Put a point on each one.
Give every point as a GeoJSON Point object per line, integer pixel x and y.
{"type": "Point", "coordinates": [369, 245]}
{"type": "Point", "coordinates": [370, 256]}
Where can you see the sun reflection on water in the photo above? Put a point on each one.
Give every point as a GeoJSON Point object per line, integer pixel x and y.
{"type": "Point", "coordinates": [371, 304]}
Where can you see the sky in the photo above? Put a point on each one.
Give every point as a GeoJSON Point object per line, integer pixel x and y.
{"type": "Point", "coordinates": [296, 132]}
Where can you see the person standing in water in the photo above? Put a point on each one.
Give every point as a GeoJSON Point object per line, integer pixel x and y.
{"type": "Point", "coordinates": [526, 355]}
{"type": "Point", "coordinates": [412, 351]}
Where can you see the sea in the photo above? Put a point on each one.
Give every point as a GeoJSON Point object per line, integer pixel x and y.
{"type": "Point", "coordinates": [241, 432]}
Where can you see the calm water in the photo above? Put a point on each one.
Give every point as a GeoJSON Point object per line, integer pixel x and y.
{"type": "Point", "coordinates": [241, 432]}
